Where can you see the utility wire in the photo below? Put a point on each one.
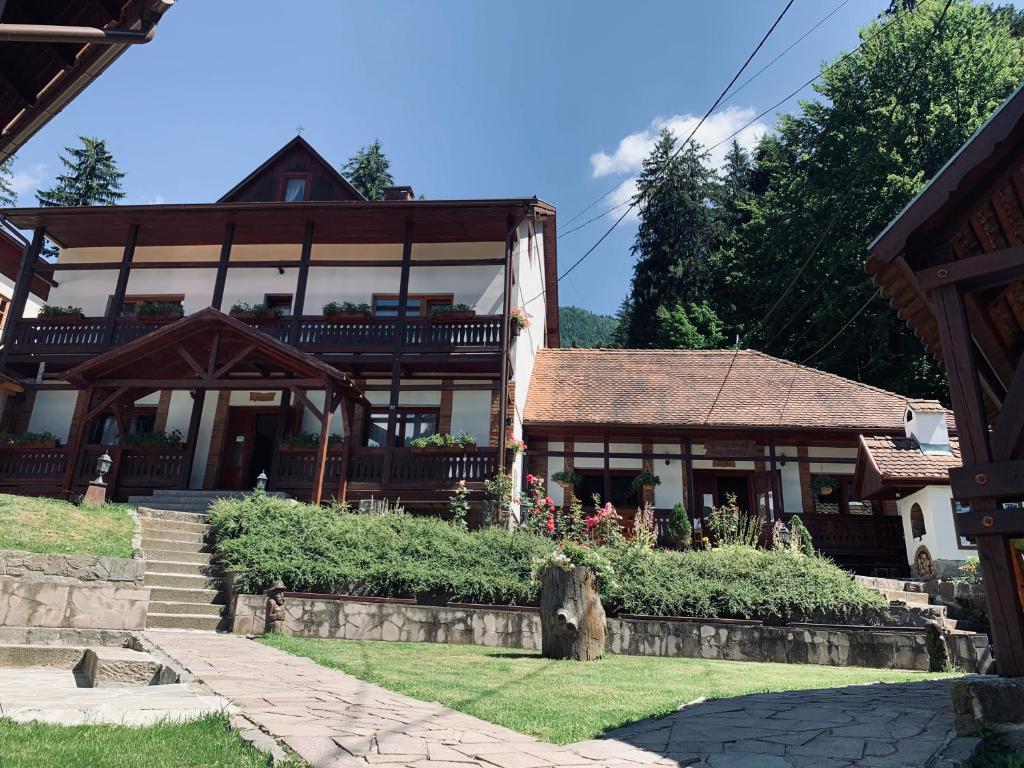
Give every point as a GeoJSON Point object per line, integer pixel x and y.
{"type": "Point", "coordinates": [839, 333]}
{"type": "Point", "coordinates": [675, 154]}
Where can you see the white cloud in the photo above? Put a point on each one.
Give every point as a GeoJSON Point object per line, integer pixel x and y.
{"type": "Point", "coordinates": [632, 149]}
{"type": "Point", "coordinates": [629, 155]}
{"type": "Point", "coordinates": [28, 180]}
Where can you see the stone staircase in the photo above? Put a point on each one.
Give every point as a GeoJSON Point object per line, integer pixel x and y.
{"type": "Point", "coordinates": [908, 601]}
{"type": "Point", "coordinates": [186, 588]}
{"type": "Point", "coordinates": [197, 502]}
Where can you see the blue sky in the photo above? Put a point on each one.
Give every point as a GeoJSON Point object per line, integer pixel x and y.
{"type": "Point", "coordinates": [470, 99]}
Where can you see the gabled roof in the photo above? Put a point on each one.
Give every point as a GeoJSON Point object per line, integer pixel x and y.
{"type": "Point", "coordinates": [155, 360]}
{"type": "Point", "coordinates": [296, 154]}
{"type": "Point", "coordinates": [894, 463]}
{"type": "Point", "coordinates": [740, 389]}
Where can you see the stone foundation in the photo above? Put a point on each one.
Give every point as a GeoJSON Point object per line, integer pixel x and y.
{"type": "Point", "coordinates": [496, 628]}
{"type": "Point", "coordinates": [989, 702]}
{"type": "Point", "coordinates": [31, 566]}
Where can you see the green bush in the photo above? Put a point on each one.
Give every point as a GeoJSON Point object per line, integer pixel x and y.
{"type": "Point", "coordinates": [314, 549]}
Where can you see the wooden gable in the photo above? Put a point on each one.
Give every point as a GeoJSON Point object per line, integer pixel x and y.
{"type": "Point", "coordinates": [295, 160]}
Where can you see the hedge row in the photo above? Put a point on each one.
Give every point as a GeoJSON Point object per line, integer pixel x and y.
{"type": "Point", "coordinates": [313, 549]}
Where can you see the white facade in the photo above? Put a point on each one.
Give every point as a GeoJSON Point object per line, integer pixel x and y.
{"type": "Point", "coordinates": [932, 507]}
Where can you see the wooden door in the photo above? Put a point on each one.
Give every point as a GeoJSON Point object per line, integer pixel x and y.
{"type": "Point", "coordinates": [239, 439]}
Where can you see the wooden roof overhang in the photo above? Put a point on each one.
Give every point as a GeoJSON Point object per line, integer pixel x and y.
{"type": "Point", "coordinates": [970, 217]}
{"type": "Point", "coordinates": [209, 350]}
{"type": "Point", "coordinates": [39, 79]}
{"type": "Point", "coordinates": [672, 433]}
{"type": "Point", "coordinates": [433, 221]}
{"type": "Point", "coordinates": [872, 482]}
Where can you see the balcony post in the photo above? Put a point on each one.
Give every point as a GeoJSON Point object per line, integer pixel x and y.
{"type": "Point", "coordinates": [299, 303]}
{"type": "Point", "coordinates": [123, 273]}
{"type": "Point", "coordinates": [321, 448]}
{"type": "Point", "coordinates": [279, 434]}
{"type": "Point", "coordinates": [222, 266]}
{"type": "Point", "coordinates": [346, 450]}
{"type": "Point", "coordinates": [22, 288]}
{"type": "Point", "coordinates": [192, 437]}
{"type": "Point", "coordinates": [506, 307]}
{"type": "Point", "coordinates": [396, 362]}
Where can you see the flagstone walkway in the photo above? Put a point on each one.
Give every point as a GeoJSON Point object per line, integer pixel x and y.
{"type": "Point", "coordinates": [334, 720]}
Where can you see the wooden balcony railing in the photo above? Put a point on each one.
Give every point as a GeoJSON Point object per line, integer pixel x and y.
{"type": "Point", "coordinates": [315, 334]}
{"type": "Point", "coordinates": [841, 534]}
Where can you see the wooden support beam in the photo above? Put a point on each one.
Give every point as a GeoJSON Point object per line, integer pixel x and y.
{"type": "Point", "coordinates": [321, 449]}
{"type": "Point", "coordinates": [222, 266]}
{"type": "Point", "coordinates": [691, 494]}
{"type": "Point", "coordinates": [211, 362]}
{"type": "Point", "coordinates": [299, 302]}
{"type": "Point", "coordinates": [301, 396]}
{"type": "Point", "coordinates": [346, 451]}
{"type": "Point", "coordinates": [124, 272]}
{"type": "Point", "coordinates": [1006, 432]}
{"type": "Point", "coordinates": [283, 416]}
{"type": "Point", "coordinates": [192, 436]}
{"type": "Point", "coordinates": [1004, 605]}
{"type": "Point", "coordinates": [76, 440]}
{"type": "Point", "coordinates": [234, 360]}
{"type": "Point", "coordinates": [192, 363]}
{"type": "Point", "coordinates": [105, 403]}
{"type": "Point", "coordinates": [22, 289]}
{"type": "Point", "coordinates": [607, 472]}
{"type": "Point", "coordinates": [506, 306]}
{"type": "Point", "coordinates": [396, 364]}
{"type": "Point", "coordinates": [985, 270]}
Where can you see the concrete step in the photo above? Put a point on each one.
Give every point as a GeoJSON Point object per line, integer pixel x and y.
{"type": "Point", "coordinates": [28, 655]}
{"type": "Point", "coordinates": [184, 568]}
{"type": "Point", "coordinates": [881, 584]}
{"type": "Point", "coordinates": [193, 547]}
{"type": "Point", "coordinates": [182, 581]}
{"type": "Point", "coordinates": [184, 595]}
{"type": "Point", "coordinates": [187, 621]}
{"type": "Point", "coordinates": [197, 526]}
{"type": "Point", "coordinates": [106, 667]}
{"type": "Point", "coordinates": [176, 556]}
{"type": "Point", "coordinates": [910, 598]}
{"type": "Point", "coordinates": [185, 609]}
{"type": "Point", "coordinates": [182, 507]}
{"type": "Point", "coordinates": [171, 534]}
{"type": "Point", "coordinates": [166, 514]}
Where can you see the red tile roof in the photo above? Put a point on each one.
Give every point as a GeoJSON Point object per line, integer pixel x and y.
{"type": "Point", "coordinates": [898, 463]}
{"type": "Point", "coordinates": [701, 388]}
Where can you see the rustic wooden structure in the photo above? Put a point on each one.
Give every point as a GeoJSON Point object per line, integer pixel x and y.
{"type": "Point", "coordinates": [572, 618]}
{"type": "Point", "coordinates": [202, 352]}
{"type": "Point", "coordinates": [952, 265]}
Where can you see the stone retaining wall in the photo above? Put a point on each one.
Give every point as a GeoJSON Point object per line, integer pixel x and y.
{"type": "Point", "coordinates": [355, 620]}
{"type": "Point", "coordinates": [66, 604]}
{"type": "Point", "coordinates": [56, 568]}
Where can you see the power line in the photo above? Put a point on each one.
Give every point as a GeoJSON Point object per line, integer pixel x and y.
{"type": "Point", "coordinates": [839, 333]}
{"type": "Point", "coordinates": [722, 97]}
{"type": "Point", "coordinates": [860, 169]}
{"type": "Point", "coordinates": [675, 154]}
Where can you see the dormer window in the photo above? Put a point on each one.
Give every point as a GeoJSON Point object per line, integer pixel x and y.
{"type": "Point", "coordinates": [295, 187]}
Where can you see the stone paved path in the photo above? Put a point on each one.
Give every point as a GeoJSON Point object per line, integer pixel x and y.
{"type": "Point", "coordinates": [334, 720]}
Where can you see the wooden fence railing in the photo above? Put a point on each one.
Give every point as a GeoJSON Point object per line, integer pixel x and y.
{"type": "Point", "coordinates": [315, 334]}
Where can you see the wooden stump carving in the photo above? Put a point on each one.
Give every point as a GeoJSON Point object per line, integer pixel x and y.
{"type": "Point", "coordinates": [571, 615]}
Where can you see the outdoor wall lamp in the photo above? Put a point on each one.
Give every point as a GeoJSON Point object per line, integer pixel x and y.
{"type": "Point", "coordinates": [785, 536]}
{"type": "Point", "coordinates": [261, 481]}
{"type": "Point", "coordinates": [103, 465]}
{"type": "Point", "coordinates": [782, 459]}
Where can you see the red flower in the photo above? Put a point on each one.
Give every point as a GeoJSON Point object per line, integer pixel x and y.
{"type": "Point", "coordinates": [548, 501]}
{"type": "Point", "coordinates": [529, 478]}
{"type": "Point", "coordinates": [551, 508]}
{"type": "Point", "coordinates": [550, 524]}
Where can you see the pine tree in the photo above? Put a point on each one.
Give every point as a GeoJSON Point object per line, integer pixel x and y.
{"type": "Point", "coordinates": [368, 171]}
{"type": "Point", "coordinates": [92, 177]}
{"type": "Point", "coordinates": [737, 179]}
{"type": "Point", "coordinates": [8, 196]}
{"type": "Point", "coordinates": [679, 233]}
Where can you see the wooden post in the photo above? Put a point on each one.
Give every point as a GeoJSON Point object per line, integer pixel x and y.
{"type": "Point", "coordinates": [22, 289]}
{"type": "Point", "coordinates": [299, 303]}
{"type": "Point", "coordinates": [506, 303]}
{"type": "Point", "coordinates": [776, 507]}
{"type": "Point", "coordinates": [117, 300]}
{"type": "Point", "coordinates": [571, 615]}
{"type": "Point", "coordinates": [75, 439]}
{"type": "Point", "coordinates": [222, 266]}
{"type": "Point", "coordinates": [279, 433]}
{"type": "Point", "coordinates": [691, 494]}
{"type": "Point", "coordinates": [346, 451]}
{"type": "Point", "coordinates": [192, 436]}
{"type": "Point", "coordinates": [607, 472]}
{"type": "Point", "coordinates": [321, 448]}
{"type": "Point", "coordinates": [396, 362]}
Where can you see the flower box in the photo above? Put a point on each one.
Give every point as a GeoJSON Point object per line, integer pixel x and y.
{"type": "Point", "coordinates": [339, 317]}
{"type": "Point", "coordinates": [169, 317]}
{"type": "Point", "coordinates": [35, 445]}
{"type": "Point", "coordinates": [443, 449]}
{"type": "Point", "coordinates": [64, 317]}
{"type": "Point", "coordinates": [454, 316]}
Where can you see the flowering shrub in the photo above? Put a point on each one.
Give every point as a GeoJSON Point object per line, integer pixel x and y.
{"type": "Point", "coordinates": [515, 445]}
{"type": "Point", "coordinates": [568, 555]}
{"type": "Point", "coordinates": [458, 505]}
{"type": "Point", "coordinates": [732, 525]}
{"type": "Point", "coordinates": [519, 317]}
{"type": "Point", "coordinates": [604, 526]}
{"type": "Point", "coordinates": [645, 535]}
{"type": "Point", "coordinates": [541, 512]}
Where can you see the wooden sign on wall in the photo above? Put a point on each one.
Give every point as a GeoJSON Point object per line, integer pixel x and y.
{"type": "Point", "coordinates": [726, 449]}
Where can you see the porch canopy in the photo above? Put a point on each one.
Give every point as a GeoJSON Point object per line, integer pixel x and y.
{"type": "Point", "coordinates": [207, 350]}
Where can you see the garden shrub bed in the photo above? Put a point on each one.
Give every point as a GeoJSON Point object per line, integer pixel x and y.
{"type": "Point", "coordinates": [314, 549]}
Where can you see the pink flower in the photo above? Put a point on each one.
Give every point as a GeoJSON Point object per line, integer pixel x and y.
{"type": "Point", "coordinates": [529, 478]}
{"type": "Point", "coordinates": [548, 501]}
{"type": "Point", "coordinates": [551, 508]}
{"type": "Point", "coordinates": [590, 522]}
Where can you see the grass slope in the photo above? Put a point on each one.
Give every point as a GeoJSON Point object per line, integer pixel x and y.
{"type": "Point", "coordinates": [206, 742]}
{"type": "Point", "coordinates": [48, 525]}
{"type": "Point", "coordinates": [564, 701]}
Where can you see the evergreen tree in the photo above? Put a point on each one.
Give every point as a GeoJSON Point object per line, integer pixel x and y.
{"type": "Point", "coordinates": [841, 169]}
{"type": "Point", "coordinates": [582, 329]}
{"type": "Point", "coordinates": [8, 197]}
{"type": "Point", "coordinates": [368, 171]}
{"type": "Point", "coordinates": [737, 179]}
{"type": "Point", "coordinates": [692, 326]}
{"type": "Point", "coordinates": [678, 234]}
{"type": "Point", "coordinates": [91, 178]}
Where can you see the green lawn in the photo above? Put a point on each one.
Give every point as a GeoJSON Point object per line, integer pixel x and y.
{"type": "Point", "coordinates": [564, 701]}
{"type": "Point", "coordinates": [48, 525]}
{"type": "Point", "coordinates": [206, 742]}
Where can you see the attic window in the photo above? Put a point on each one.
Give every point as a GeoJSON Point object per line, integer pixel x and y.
{"type": "Point", "coordinates": [295, 187]}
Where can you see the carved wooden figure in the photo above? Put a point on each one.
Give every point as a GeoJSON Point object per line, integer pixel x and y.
{"type": "Point", "coordinates": [571, 615]}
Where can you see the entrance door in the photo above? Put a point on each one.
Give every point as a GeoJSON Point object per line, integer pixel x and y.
{"type": "Point", "coordinates": [713, 488]}
{"type": "Point", "coordinates": [248, 447]}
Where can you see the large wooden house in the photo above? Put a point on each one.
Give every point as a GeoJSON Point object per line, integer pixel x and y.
{"type": "Point", "coordinates": [163, 363]}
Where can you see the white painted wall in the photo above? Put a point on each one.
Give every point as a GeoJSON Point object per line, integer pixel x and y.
{"type": "Point", "coordinates": [52, 412]}
{"type": "Point", "coordinates": [940, 533]}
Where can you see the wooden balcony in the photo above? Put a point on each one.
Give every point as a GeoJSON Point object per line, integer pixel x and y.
{"type": "Point", "coordinates": [314, 334]}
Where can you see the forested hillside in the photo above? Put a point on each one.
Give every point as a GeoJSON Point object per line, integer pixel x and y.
{"type": "Point", "coordinates": [582, 328]}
